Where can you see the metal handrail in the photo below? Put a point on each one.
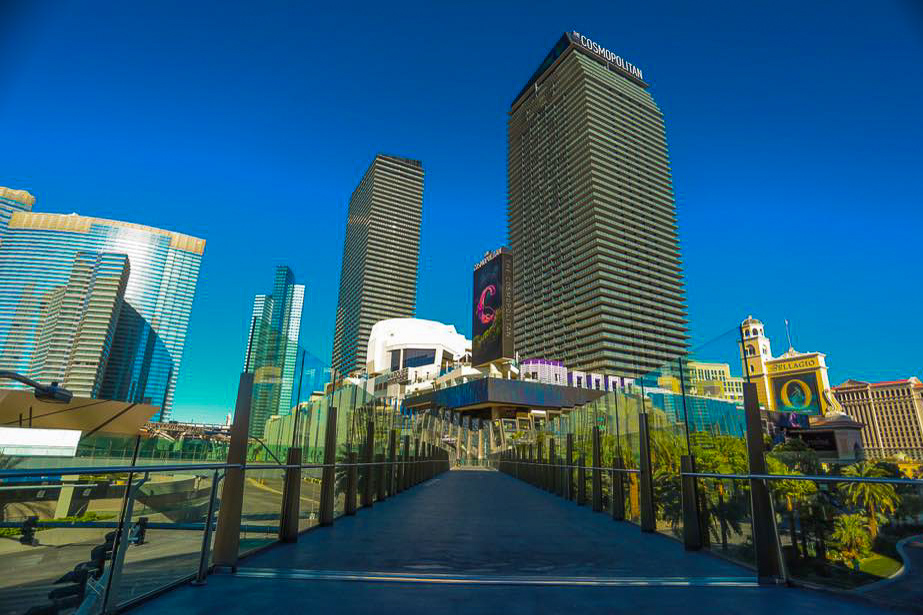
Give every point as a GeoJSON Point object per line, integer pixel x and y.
{"type": "Point", "coordinates": [309, 466]}
{"type": "Point", "coordinates": [115, 469]}
{"type": "Point", "coordinates": [564, 465]}
{"type": "Point", "coordinates": [176, 467]}
{"type": "Point", "coordinates": [822, 479]}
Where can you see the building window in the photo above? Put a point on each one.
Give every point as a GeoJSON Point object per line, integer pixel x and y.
{"type": "Point", "coordinates": [415, 357]}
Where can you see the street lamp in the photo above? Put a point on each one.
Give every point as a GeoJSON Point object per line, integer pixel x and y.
{"type": "Point", "coordinates": [44, 392]}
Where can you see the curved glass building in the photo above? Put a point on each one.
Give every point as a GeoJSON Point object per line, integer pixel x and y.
{"type": "Point", "coordinates": [101, 306]}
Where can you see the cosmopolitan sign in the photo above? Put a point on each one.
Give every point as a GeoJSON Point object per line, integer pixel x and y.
{"type": "Point", "coordinates": [607, 55]}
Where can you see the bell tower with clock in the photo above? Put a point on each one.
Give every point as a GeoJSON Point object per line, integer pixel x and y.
{"type": "Point", "coordinates": [754, 352]}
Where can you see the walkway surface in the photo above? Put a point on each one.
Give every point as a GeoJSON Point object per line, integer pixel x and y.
{"type": "Point", "coordinates": [483, 542]}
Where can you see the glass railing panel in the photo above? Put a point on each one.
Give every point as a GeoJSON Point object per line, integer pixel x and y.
{"type": "Point", "coordinates": [846, 535]}
{"type": "Point", "coordinates": [727, 519]}
{"type": "Point", "coordinates": [629, 408]}
{"type": "Point", "coordinates": [309, 505]}
{"type": "Point", "coordinates": [668, 445]}
{"type": "Point", "coordinates": [261, 508]}
{"type": "Point", "coordinates": [706, 389]}
{"type": "Point", "coordinates": [167, 527]}
{"type": "Point", "coordinates": [48, 526]}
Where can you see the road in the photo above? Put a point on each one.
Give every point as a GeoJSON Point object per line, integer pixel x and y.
{"type": "Point", "coordinates": [27, 573]}
{"type": "Point", "coordinates": [906, 589]}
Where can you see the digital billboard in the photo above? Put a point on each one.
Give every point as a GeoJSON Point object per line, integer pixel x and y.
{"type": "Point", "coordinates": [796, 393]}
{"type": "Point", "coordinates": [492, 317]}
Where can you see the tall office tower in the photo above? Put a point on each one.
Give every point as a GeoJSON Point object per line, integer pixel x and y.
{"type": "Point", "coordinates": [78, 323]}
{"type": "Point", "coordinates": [48, 260]}
{"type": "Point", "coordinates": [272, 349]}
{"type": "Point", "coordinates": [12, 201]}
{"type": "Point", "coordinates": [378, 279]}
{"type": "Point", "coordinates": [592, 221]}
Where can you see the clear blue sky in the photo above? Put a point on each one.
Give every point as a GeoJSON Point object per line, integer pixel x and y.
{"type": "Point", "coordinates": [795, 131]}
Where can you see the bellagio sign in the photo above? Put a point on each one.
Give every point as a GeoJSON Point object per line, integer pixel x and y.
{"type": "Point", "coordinates": [607, 55]}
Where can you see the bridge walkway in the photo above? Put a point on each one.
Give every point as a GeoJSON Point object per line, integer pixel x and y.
{"type": "Point", "coordinates": [484, 542]}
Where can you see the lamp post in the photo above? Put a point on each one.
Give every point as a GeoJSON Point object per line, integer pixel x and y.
{"type": "Point", "coordinates": [43, 392]}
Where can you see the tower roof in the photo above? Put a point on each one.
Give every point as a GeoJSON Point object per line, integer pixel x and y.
{"type": "Point", "coordinates": [588, 47]}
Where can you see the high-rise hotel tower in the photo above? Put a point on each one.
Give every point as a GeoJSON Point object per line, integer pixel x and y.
{"type": "Point", "coordinates": [272, 349]}
{"type": "Point", "coordinates": [100, 306]}
{"type": "Point", "coordinates": [378, 279]}
{"type": "Point", "coordinates": [592, 220]}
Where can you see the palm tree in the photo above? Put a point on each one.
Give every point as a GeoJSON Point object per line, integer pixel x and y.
{"type": "Point", "coordinates": [876, 499]}
{"type": "Point", "coordinates": [793, 492]}
{"type": "Point", "coordinates": [851, 533]}
{"type": "Point", "coordinates": [722, 455]}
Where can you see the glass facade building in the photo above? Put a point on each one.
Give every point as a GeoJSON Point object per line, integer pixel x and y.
{"type": "Point", "coordinates": [272, 349]}
{"type": "Point", "coordinates": [101, 305]}
{"type": "Point", "coordinates": [381, 251]}
{"type": "Point", "coordinates": [592, 219]}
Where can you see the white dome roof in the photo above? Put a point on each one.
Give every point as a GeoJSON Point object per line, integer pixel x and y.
{"type": "Point", "coordinates": [397, 333]}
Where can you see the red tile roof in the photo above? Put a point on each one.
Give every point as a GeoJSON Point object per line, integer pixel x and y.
{"type": "Point", "coordinates": [890, 382]}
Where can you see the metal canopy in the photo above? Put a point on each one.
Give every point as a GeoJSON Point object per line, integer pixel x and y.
{"type": "Point", "coordinates": [22, 409]}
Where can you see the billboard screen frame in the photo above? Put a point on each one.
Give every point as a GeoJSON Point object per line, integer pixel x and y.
{"type": "Point", "coordinates": [492, 309]}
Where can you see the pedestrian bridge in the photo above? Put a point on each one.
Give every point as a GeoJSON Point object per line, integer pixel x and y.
{"type": "Point", "coordinates": [483, 542]}
{"type": "Point", "coordinates": [354, 504]}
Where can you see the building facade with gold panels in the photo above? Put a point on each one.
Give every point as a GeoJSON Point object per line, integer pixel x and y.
{"type": "Point", "coordinates": [892, 413]}
{"type": "Point", "coordinates": [793, 382]}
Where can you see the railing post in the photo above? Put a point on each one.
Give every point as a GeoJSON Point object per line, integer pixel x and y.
{"type": "Point", "coordinates": [552, 467]}
{"type": "Point", "coordinates": [329, 472]}
{"type": "Point", "coordinates": [692, 538]}
{"type": "Point", "coordinates": [416, 458]}
{"type": "Point", "coordinates": [597, 473]}
{"type": "Point", "coordinates": [581, 481]}
{"type": "Point", "coordinates": [569, 470]}
{"type": "Point", "coordinates": [539, 468]}
{"type": "Point", "coordinates": [405, 474]}
{"type": "Point", "coordinates": [648, 521]}
{"type": "Point", "coordinates": [120, 546]}
{"type": "Point", "coordinates": [380, 476]}
{"type": "Point", "coordinates": [227, 534]}
{"type": "Point", "coordinates": [352, 481]}
{"type": "Point", "coordinates": [291, 497]}
{"type": "Point", "coordinates": [392, 458]}
{"type": "Point", "coordinates": [207, 535]}
{"type": "Point", "coordinates": [618, 489]}
{"type": "Point", "coordinates": [367, 451]}
{"type": "Point", "coordinates": [765, 534]}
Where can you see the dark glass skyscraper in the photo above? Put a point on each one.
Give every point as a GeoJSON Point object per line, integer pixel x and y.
{"type": "Point", "coordinates": [272, 349]}
{"type": "Point", "coordinates": [592, 219]}
{"type": "Point", "coordinates": [381, 251]}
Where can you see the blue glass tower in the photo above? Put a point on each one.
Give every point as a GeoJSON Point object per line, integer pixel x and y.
{"type": "Point", "coordinates": [272, 349]}
{"type": "Point", "coordinates": [144, 347]}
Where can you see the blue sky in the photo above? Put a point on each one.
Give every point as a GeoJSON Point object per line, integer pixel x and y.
{"type": "Point", "coordinates": [795, 132]}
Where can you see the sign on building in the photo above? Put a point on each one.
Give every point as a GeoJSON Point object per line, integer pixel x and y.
{"type": "Point", "coordinates": [492, 309]}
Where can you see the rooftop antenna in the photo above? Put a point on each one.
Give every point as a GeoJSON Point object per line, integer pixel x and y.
{"type": "Point", "coordinates": [788, 334]}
